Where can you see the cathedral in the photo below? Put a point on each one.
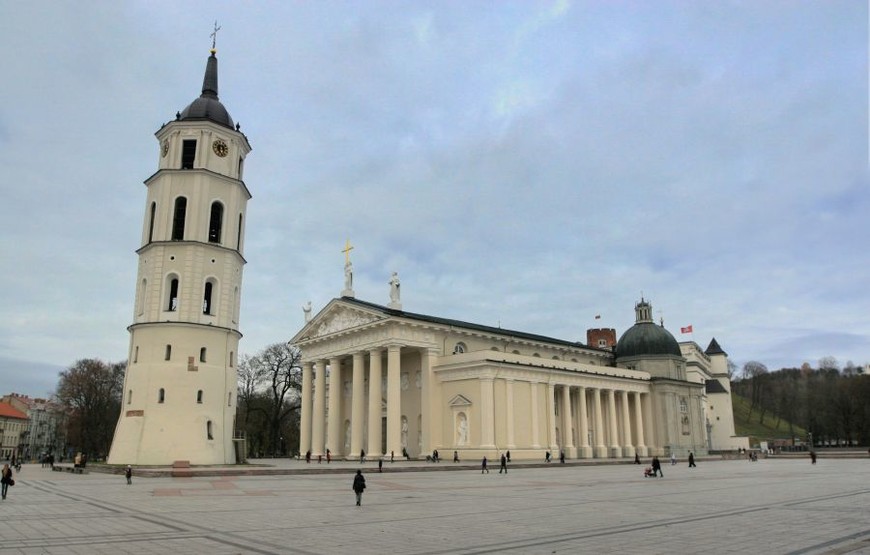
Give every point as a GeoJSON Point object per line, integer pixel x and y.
{"type": "Point", "coordinates": [379, 381]}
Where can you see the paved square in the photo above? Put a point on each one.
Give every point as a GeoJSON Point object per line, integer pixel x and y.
{"type": "Point", "coordinates": [772, 506]}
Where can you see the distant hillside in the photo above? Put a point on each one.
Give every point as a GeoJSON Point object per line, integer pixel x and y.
{"type": "Point", "coordinates": [752, 427]}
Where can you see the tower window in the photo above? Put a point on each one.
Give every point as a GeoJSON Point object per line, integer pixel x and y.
{"type": "Point", "coordinates": [173, 295]}
{"type": "Point", "coordinates": [129, 396]}
{"type": "Point", "coordinates": [168, 352]}
{"type": "Point", "coordinates": [231, 359]}
{"type": "Point", "coordinates": [178, 219]}
{"type": "Point", "coordinates": [161, 395]}
{"type": "Point", "coordinates": [136, 354]}
{"type": "Point", "coordinates": [230, 399]}
{"type": "Point", "coordinates": [151, 222]}
{"type": "Point", "coordinates": [215, 222]}
{"type": "Point", "coordinates": [188, 153]}
{"type": "Point", "coordinates": [206, 298]}
{"type": "Point", "coordinates": [208, 430]}
{"type": "Point", "coordinates": [241, 165]}
{"type": "Point", "coordinates": [239, 237]}
{"type": "Point", "coordinates": [199, 396]}
{"type": "Point", "coordinates": [202, 355]}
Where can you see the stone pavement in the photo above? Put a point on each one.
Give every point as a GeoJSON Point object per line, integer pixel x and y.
{"type": "Point", "coordinates": [771, 506]}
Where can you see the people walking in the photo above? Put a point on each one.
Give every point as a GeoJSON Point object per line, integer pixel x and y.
{"type": "Point", "coordinates": [6, 480]}
{"type": "Point", "coordinates": [673, 459]}
{"type": "Point", "coordinates": [483, 467]}
{"type": "Point", "coordinates": [308, 456]}
{"type": "Point", "coordinates": [503, 464]}
{"type": "Point", "coordinates": [547, 456]}
{"type": "Point", "coordinates": [328, 456]}
{"type": "Point", "coordinates": [508, 454]}
{"type": "Point", "coordinates": [562, 457]}
{"type": "Point", "coordinates": [692, 460]}
{"type": "Point", "coordinates": [636, 458]}
{"type": "Point", "coordinates": [456, 456]}
{"type": "Point", "coordinates": [128, 472]}
{"type": "Point", "coordinates": [657, 467]}
{"type": "Point", "coordinates": [813, 456]}
{"type": "Point", "coordinates": [362, 456]}
{"type": "Point", "coordinates": [359, 485]}
{"type": "Point", "coordinates": [380, 464]}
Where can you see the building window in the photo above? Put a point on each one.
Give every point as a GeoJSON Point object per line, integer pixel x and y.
{"type": "Point", "coordinates": [241, 166]}
{"type": "Point", "coordinates": [151, 223]}
{"type": "Point", "coordinates": [231, 359]}
{"type": "Point", "coordinates": [230, 399]}
{"type": "Point", "coordinates": [202, 355]}
{"type": "Point", "coordinates": [161, 395]}
{"type": "Point", "coordinates": [173, 295]}
{"type": "Point", "coordinates": [199, 396]}
{"type": "Point", "coordinates": [188, 153]}
{"type": "Point", "coordinates": [168, 352]}
{"type": "Point", "coordinates": [208, 430]}
{"type": "Point", "coordinates": [136, 354]}
{"type": "Point", "coordinates": [459, 348]}
{"type": "Point", "coordinates": [215, 222]}
{"type": "Point", "coordinates": [178, 216]}
{"type": "Point", "coordinates": [129, 396]}
{"type": "Point", "coordinates": [206, 298]}
{"type": "Point", "coordinates": [684, 405]}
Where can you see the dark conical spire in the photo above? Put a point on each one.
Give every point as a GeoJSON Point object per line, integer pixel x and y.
{"type": "Point", "coordinates": [207, 106]}
{"type": "Point", "coordinates": [210, 81]}
{"type": "Point", "coordinates": [714, 349]}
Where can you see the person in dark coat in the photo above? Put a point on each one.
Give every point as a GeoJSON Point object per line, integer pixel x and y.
{"type": "Point", "coordinates": [562, 457]}
{"type": "Point", "coordinates": [359, 485]}
{"type": "Point", "coordinates": [483, 467]}
{"type": "Point", "coordinates": [657, 468]}
{"type": "Point", "coordinates": [636, 458]}
{"type": "Point", "coordinates": [691, 460]}
{"type": "Point", "coordinates": [6, 479]}
{"type": "Point", "coordinates": [128, 472]}
{"type": "Point", "coordinates": [503, 464]}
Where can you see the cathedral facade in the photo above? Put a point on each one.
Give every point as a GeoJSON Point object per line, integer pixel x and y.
{"type": "Point", "coordinates": [379, 381]}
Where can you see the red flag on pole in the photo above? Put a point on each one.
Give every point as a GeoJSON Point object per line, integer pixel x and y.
{"type": "Point", "coordinates": [598, 317]}
{"type": "Point", "coordinates": [687, 329]}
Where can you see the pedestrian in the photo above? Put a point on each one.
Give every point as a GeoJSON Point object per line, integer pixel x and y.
{"type": "Point", "coordinates": [308, 456]}
{"type": "Point", "coordinates": [6, 479]}
{"type": "Point", "coordinates": [562, 457]}
{"type": "Point", "coordinates": [547, 456]}
{"type": "Point", "coordinates": [813, 456]}
{"type": "Point", "coordinates": [508, 456]}
{"type": "Point", "coordinates": [636, 459]}
{"type": "Point", "coordinates": [392, 456]}
{"type": "Point", "coordinates": [380, 464]}
{"type": "Point", "coordinates": [128, 472]}
{"type": "Point", "coordinates": [691, 460]}
{"type": "Point", "coordinates": [503, 464]}
{"type": "Point", "coordinates": [657, 467]}
{"type": "Point", "coordinates": [359, 485]}
{"type": "Point", "coordinates": [456, 456]}
{"type": "Point", "coordinates": [483, 467]}
{"type": "Point", "coordinates": [437, 456]}
{"type": "Point", "coordinates": [328, 456]}
{"type": "Point", "coordinates": [362, 456]}
{"type": "Point", "coordinates": [673, 459]}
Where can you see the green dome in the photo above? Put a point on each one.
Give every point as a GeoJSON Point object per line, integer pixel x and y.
{"type": "Point", "coordinates": [647, 338]}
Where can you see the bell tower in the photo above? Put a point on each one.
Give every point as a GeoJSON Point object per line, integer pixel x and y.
{"type": "Point", "coordinates": [179, 398]}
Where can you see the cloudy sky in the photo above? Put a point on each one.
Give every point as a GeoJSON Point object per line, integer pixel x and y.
{"type": "Point", "coordinates": [523, 164]}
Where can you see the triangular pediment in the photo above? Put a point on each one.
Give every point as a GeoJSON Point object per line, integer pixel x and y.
{"type": "Point", "coordinates": [336, 317]}
{"type": "Point", "coordinates": [459, 401]}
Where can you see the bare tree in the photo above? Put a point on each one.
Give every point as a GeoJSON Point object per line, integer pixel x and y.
{"type": "Point", "coordinates": [91, 392]}
{"type": "Point", "coordinates": [270, 383]}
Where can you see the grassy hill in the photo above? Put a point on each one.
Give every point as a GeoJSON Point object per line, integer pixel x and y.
{"type": "Point", "coordinates": [745, 425]}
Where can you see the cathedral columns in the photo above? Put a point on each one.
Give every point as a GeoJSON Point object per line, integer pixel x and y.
{"type": "Point", "coordinates": [318, 417]}
{"type": "Point", "coordinates": [567, 428]}
{"type": "Point", "coordinates": [394, 400]}
{"type": "Point", "coordinates": [600, 447]}
{"type": "Point", "coordinates": [638, 425]}
{"type": "Point", "coordinates": [430, 407]}
{"type": "Point", "coordinates": [487, 406]}
{"type": "Point", "coordinates": [333, 430]}
{"type": "Point", "coordinates": [357, 404]}
{"type": "Point", "coordinates": [375, 401]}
{"type": "Point", "coordinates": [649, 431]}
{"type": "Point", "coordinates": [551, 417]}
{"type": "Point", "coordinates": [615, 450]}
{"type": "Point", "coordinates": [536, 441]}
{"type": "Point", "coordinates": [509, 412]}
{"type": "Point", "coordinates": [305, 417]}
{"type": "Point", "coordinates": [628, 444]}
{"type": "Point", "coordinates": [585, 450]}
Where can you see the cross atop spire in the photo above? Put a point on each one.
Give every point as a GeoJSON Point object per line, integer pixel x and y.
{"type": "Point", "coordinates": [213, 36]}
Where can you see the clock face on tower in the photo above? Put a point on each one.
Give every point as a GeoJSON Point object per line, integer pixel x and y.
{"type": "Point", "coordinates": [220, 148]}
{"type": "Point", "coordinates": [164, 148]}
